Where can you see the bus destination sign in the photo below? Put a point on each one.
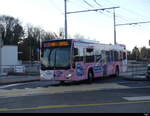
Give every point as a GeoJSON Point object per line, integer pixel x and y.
{"type": "Point", "coordinates": [56, 44]}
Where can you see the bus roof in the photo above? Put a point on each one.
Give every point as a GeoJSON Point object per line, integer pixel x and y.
{"type": "Point", "coordinates": [87, 41]}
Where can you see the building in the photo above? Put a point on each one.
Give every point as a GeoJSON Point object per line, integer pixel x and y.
{"type": "Point", "coordinates": [8, 58]}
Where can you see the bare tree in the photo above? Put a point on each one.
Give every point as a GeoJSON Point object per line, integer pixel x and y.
{"type": "Point", "coordinates": [30, 46]}
{"type": "Point", "coordinates": [11, 30]}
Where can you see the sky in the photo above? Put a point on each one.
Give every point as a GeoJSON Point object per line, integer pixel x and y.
{"type": "Point", "coordinates": [49, 15]}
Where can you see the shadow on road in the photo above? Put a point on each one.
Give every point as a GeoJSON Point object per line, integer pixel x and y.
{"type": "Point", "coordinates": [84, 82]}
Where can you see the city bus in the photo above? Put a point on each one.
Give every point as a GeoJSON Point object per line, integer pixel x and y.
{"type": "Point", "coordinates": [77, 59]}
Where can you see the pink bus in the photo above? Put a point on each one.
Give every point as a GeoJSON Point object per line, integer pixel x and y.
{"type": "Point", "coordinates": [76, 60]}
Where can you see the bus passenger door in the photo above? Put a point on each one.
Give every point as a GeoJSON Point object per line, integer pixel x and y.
{"type": "Point", "coordinates": [98, 68]}
{"type": "Point", "coordinates": [89, 61]}
{"type": "Point", "coordinates": [104, 63]}
{"type": "Point", "coordinates": [109, 63]}
{"type": "Point", "coordinates": [78, 63]}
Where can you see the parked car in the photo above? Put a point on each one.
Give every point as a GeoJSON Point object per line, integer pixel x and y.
{"type": "Point", "coordinates": [148, 71]}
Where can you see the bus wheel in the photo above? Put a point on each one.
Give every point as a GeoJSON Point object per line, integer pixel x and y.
{"type": "Point", "coordinates": [117, 72]}
{"type": "Point", "coordinates": [62, 82]}
{"type": "Point", "coordinates": [90, 76]}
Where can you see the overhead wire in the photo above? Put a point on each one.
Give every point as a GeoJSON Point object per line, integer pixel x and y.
{"type": "Point", "coordinates": [102, 12]}
{"type": "Point", "coordinates": [79, 4]}
{"type": "Point", "coordinates": [57, 8]}
{"type": "Point", "coordinates": [121, 18]}
{"type": "Point", "coordinates": [138, 15]}
{"type": "Point", "coordinates": [101, 6]}
{"type": "Point", "coordinates": [88, 3]}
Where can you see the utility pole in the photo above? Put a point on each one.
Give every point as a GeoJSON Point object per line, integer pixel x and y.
{"type": "Point", "coordinates": [66, 28]}
{"type": "Point", "coordinates": [114, 16]}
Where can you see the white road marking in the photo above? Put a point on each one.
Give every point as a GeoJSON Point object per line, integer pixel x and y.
{"type": "Point", "coordinates": [137, 98]}
{"type": "Point", "coordinates": [11, 85]}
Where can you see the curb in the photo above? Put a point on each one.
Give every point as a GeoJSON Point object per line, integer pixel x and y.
{"type": "Point", "coordinates": [20, 79]}
{"type": "Point", "coordinates": [135, 78]}
{"type": "Point", "coordinates": [23, 81]}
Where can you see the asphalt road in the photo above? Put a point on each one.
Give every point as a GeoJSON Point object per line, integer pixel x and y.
{"type": "Point", "coordinates": [103, 96]}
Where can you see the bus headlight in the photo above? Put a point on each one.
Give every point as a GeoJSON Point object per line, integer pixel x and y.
{"type": "Point", "coordinates": [68, 75]}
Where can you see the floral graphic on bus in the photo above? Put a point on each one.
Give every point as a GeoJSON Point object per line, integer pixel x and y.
{"type": "Point", "coordinates": [98, 69]}
{"type": "Point", "coordinates": [79, 70]}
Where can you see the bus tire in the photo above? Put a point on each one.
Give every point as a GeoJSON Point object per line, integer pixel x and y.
{"type": "Point", "coordinates": [117, 71]}
{"type": "Point", "coordinates": [90, 76]}
{"type": "Point", "coordinates": [62, 82]}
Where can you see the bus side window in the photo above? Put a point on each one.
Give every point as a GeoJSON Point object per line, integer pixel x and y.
{"type": "Point", "coordinates": [75, 51]}
{"type": "Point", "coordinates": [107, 56]}
{"type": "Point", "coordinates": [116, 56]}
{"type": "Point", "coordinates": [103, 56]}
{"type": "Point", "coordinates": [124, 56]}
{"type": "Point", "coordinates": [98, 56]}
{"type": "Point", "coordinates": [111, 55]}
{"type": "Point", "coordinates": [89, 55]}
{"type": "Point", "coordinates": [121, 55]}
{"type": "Point", "coordinates": [119, 58]}
{"type": "Point", "coordinates": [78, 54]}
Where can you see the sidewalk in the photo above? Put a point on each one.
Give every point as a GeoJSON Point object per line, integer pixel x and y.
{"type": "Point", "coordinates": [18, 79]}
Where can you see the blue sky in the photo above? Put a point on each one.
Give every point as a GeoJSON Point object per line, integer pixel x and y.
{"type": "Point", "coordinates": [49, 14]}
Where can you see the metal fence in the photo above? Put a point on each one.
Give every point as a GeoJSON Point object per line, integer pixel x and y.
{"type": "Point", "coordinates": [33, 68]}
{"type": "Point", "coordinates": [136, 68]}
{"type": "Point", "coordinates": [25, 68]}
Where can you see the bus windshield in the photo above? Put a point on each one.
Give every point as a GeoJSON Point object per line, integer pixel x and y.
{"type": "Point", "coordinates": [55, 58]}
